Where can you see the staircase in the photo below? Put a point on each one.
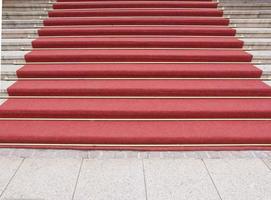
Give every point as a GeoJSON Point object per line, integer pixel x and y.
{"type": "Point", "coordinates": [137, 75]}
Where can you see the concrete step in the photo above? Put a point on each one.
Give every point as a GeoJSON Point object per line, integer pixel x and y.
{"type": "Point", "coordinates": [10, 24]}
{"type": "Point", "coordinates": [6, 84]}
{"type": "Point", "coordinates": [25, 44]}
{"type": "Point", "coordinates": [32, 33]}
{"type": "Point", "coordinates": [226, 6]}
{"type": "Point", "coordinates": [233, 14]}
{"type": "Point", "coordinates": [254, 32]}
{"type": "Point", "coordinates": [11, 57]}
{"type": "Point", "coordinates": [9, 71]}
{"type": "Point", "coordinates": [19, 33]}
{"type": "Point", "coordinates": [239, 23]}
{"type": "Point", "coordinates": [24, 15]}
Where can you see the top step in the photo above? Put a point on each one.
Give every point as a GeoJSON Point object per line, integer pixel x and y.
{"type": "Point", "coordinates": [135, 4]}
{"type": "Point", "coordinates": [119, 0]}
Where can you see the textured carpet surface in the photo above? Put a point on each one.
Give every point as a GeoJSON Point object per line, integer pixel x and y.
{"type": "Point", "coordinates": [136, 132]}
{"type": "Point", "coordinates": [134, 12]}
{"type": "Point", "coordinates": [137, 42]}
{"type": "Point", "coordinates": [209, 70]}
{"type": "Point", "coordinates": [137, 108]}
{"type": "Point", "coordinates": [136, 4]}
{"type": "Point", "coordinates": [136, 55]}
{"type": "Point", "coordinates": [165, 31]}
{"type": "Point", "coordinates": [65, 21]}
{"type": "Point", "coordinates": [140, 88]}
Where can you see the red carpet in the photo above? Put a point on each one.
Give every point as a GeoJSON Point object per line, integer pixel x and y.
{"type": "Point", "coordinates": [136, 4]}
{"type": "Point", "coordinates": [137, 108]}
{"type": "Point", "coordinates": [137, 39]}
{"type": "Point", "coordinates": [137, 42]}
{"type": "Point", "coordinates": [136, 132]}
{"type": "Point", "coordinates": [210, 70]}
{"type": "Point", "coordinates": [118, 0]}
{"type": "Point", "coordinates": [134, 12]}
{"type": "Point", "coordinates": [140, 88]}
{"type": "Point", "coordinates": [135, 55]}
{"type": "Point", "coordinates": [66, 21]}
{"type": "Point", "coordinates": [138, 30]}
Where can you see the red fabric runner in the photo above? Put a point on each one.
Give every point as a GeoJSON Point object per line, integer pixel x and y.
{"type": "Point", "coordinates": [208, 49]}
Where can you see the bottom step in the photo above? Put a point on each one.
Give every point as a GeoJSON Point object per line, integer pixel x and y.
{"type": "Point", "coordinates": [137, 135]}
{"type": "Point", "coordinates": [136, 108]}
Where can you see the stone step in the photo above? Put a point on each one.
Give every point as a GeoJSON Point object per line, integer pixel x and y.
{"type": "Point", "coordinates": [32, 33]}
{"type": "Point", "coordinates": [25, 44]}
{"type": "Point", "coordinates": [19, 33]}
{"type": "Point", "coordinates": [9, 71]}
{"type": "Point", "coordinates": [7, 83]}
{"type": "Point", "coordinates": [233, 14]}
{"type": "Point", "coordinates": [239, 23]}
{"type": "Point", "coordinates": [226, 6]}
{"type": "Point", "coordinates": [11, 57]}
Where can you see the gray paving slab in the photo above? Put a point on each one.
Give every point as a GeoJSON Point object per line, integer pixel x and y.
{"type": "Point", "coordinates": [240, 179]}
{"type": "Point", "coordinates": [180, 179]}
{"type": "Point", "coordinates": [44, 179]}
{"type": "Point", "coordinates": [111, 179]}
{"type": "Point", "coordinates": [8, 167]}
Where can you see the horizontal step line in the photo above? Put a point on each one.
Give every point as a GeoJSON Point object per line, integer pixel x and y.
{"type": "Point", "coordinates": [68, 63]}
{"type": "Point", "coordinates": [131, 145]}
{"type": "Point", "coordinates": [135, 97]}
{"type": "Point", "coordinates": [114, 25]}
{"type": "Point", "coordinates": [140, 16]}
{"type": "Point", "coordinates": [143, 36]}
{"type": "Point", "coordinates": [53, 79]}
{"type": "Point", "coordinates": [135, 119]}
{"type": "Point", "coordinates": [167, 48]}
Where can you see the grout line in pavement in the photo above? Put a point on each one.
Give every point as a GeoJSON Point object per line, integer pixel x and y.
{"type": "Point", "coordinates": [209, 174]}
{"type": "Point", "coordinates": [77, 179]}
{"type": "Point", "coordinates": [144, 177]}
{"type": "Point", "coordinates": [12, 177]}
{"type": "Point", "coordinates": [264, 162]}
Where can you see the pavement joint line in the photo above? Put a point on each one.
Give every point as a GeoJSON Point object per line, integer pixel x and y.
{"type": "Point", "coordinates": [12, 177]}
{"type": "Point", "coordinates": [77, 178]}
{"type": "Point", "coordinates": [211, 178]}
{"type": "Point", "coordinates": [144, 178]}
{"type": "Point", "coordinates": [264, 162]}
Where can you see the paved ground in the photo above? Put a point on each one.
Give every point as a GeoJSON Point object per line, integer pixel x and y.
{"type": "Point", "coordinates": [80, 175]}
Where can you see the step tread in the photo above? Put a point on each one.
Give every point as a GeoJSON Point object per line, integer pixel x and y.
{"type": "Point", "coordinates": [137, 108]}
{"type": "Point", "coordinates": [60, 21]}
{"type": "Point", "coordinates": [142, 30]}
{"type": "Point", "coordinates": [135, 4]}
{"type": "Point", "coordinates": [161, 55]}
{"type": "Point", "coordinates": [185, 42]}
{"type": "Point", "coordinates": [150, 132]}
{"type": "Point", "coordinates": [139, 70]}
{"type": "Point", "coordinates": [139, 88]}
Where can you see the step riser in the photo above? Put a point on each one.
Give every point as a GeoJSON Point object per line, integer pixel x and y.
{"type": "Point", "coordinates": [33, 35]}
{"type": "Point", "coordinates": [237, 23]}
{"type": "Point", "coordinates": [232, 16]}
